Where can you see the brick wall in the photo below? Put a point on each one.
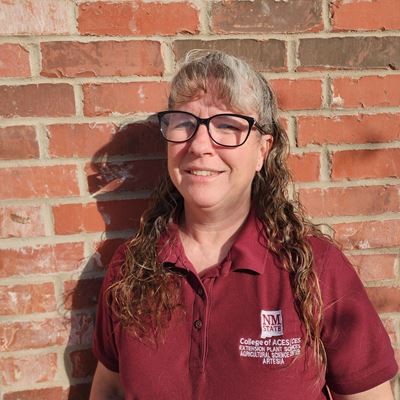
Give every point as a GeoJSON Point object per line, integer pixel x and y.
{"type": "Point", "coordinates": [73, 72]}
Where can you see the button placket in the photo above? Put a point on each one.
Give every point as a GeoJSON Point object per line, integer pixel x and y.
{"type": "Point", "coordinates": [208, 283]}
{"type": "Point", "coordinates": [200, 291]}
{"type": "Point", "coordinates": [198, 325]}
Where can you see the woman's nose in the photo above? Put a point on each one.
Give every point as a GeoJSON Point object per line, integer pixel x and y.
{"type": "Point", "coordinates": [201, 142]}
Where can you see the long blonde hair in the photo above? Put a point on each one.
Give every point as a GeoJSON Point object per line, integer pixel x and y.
{"type": "Point", "coordinates": [148, 293]}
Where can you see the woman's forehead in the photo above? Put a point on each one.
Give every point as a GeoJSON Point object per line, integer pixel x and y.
{"type": "Point", "coordinates": [212, 98]}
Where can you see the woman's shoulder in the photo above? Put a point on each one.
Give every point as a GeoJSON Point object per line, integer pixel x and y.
{"type": "Point", "coordinates": [328, 258]}
{"type": "Point", "coordinates": [322, 247]}
{"type": "Point", "coordinates": [334, 270]}
{"type": "Point", "coordinates": [118, 258]}
{"type": "Point", "coordinates": [120, 253]}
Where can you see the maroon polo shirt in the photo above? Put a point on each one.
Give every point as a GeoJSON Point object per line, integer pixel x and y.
{"type": "Point", "coordinates": [240, 336]}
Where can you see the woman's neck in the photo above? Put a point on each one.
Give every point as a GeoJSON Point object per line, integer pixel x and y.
{"type": "Point", "coordinates": [207, 236]}
{"type": "Point", "coordinates": [204, 225]}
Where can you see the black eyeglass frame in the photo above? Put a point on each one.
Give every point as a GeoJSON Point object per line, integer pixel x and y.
{"type": "Point", "coordinates": [206, 121]}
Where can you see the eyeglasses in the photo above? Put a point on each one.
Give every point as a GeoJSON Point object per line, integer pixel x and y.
{"type": "Point", "coordinates": [228, 130]}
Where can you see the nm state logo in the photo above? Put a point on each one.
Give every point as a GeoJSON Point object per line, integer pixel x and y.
{"type": "Point", "coordinates": [271, 323]}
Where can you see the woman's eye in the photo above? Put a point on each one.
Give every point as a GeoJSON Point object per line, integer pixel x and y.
{"type": "Point", "coordinates": [228, 127]}
{"type": "Point", "coordinates": [183, 125]}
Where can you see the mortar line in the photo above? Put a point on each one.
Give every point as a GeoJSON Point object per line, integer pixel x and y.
{"type": "Point", "coordinates": [326, 92]}
{"type": "Point", "coordinates": [325, 165]}
{"type": "Point", "coordinates": [201, 36]}
{"type": "Point", "coordinates": [34, 60]}
{"type": "Point", "coordinates": [292, 55]}
{"type": "Point", "coordinates": [321, 73]}
{"type": "Point", "coordinates": [79, 100]}
{"type": "Point", "coordinates": [326, 16]}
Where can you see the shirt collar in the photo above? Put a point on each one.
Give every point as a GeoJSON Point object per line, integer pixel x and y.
{"type": "Point", "coordinates": [170, 249]}
{"type": "Point", "coordinates": [249, 251]}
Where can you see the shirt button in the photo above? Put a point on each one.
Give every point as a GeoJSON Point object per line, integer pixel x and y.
{"type": "Point", "coordinates": [198, 324]}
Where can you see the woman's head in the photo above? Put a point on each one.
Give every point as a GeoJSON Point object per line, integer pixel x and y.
{"type": "Point", "coordinates": [232, 84]}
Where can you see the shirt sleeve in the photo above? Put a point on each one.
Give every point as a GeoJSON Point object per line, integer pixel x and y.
{"type": "Point", "coordinates": [358, 348]}
{"type": "Point", "coordinates": [105, 346]}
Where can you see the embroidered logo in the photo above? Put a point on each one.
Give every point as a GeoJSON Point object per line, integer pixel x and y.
{"type": "Point", "coordinates": [271, 323]}
{"type": "Point", "coordinates": [270, 349]}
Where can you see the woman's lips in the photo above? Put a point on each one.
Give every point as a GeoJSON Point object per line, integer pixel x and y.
{"type": "Point", "coordinates": [203, 172]}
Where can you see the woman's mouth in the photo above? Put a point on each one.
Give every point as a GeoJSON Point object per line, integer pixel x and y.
{"type": "Point", "coordinates": [203, 172]}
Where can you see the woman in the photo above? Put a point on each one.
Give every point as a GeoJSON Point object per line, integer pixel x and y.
{"type": "Point", "coordinates": [227, 291]}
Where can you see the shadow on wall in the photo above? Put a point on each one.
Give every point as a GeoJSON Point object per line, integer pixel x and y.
{"type": "Point", "coordinates": [120, 177]}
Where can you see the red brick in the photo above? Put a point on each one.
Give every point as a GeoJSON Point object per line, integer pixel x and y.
{"type": "Point", "coordinates": [349, 53]}
{"type": "Point", "coordinates": [390, 326]}
{"type": "Point", "coordinates": [124, 176]}
{"type": "Point", "coordinates": [98, 217]}
{"type": "Point", "coordinates": [305, 167]}
{"type": "Point", "coordinates": [25, 369]}
{"type": "Point", "coordinates": [82, 326]}
{"type": "Point", "coordinates": [14, 61]}
{"type": "Point", "coordinates": [81, 294]}
{"type": "Point", "coordinates": [385, 299]}
{"type": "Point", "coordinates": [397, 358]}
{"type": "Point", "coordinates": [79, 140]}
{"type": "Point", "coordinates": [43, 259]}
{"type": "Point", "coordinates": [27, 298]}
{"type": "Point", "coordinates": [53, 393]}
{"type": "Point", "coordinates": [261, 17]}
{"type": "Point", "coordinates": [88, 140]}
{"type": "Point", "coordinates": [365, 15]}
{"type": "Point", "coordinates": [283, 123]}
{"type": "Point", "coordinates": [360, 128]}
{"type": "Point", "coordinates": [18, 142]}
{"type": "Point", "coordinates": [360, 200]}
{"type": "Point", "coordinates": [21, 221]}
{"type": "Point", "coordinates": [44, 100]}
{"type": "Point", "coordinates": [32, 17]}
{"type": "Point", "coordinates": [263, 55]}
{"type": "Point", "coordinates": [120, 19]}
{"type": "Point", "coordinates": [83, 363]}
{"type": "Point", "coordinates": [33, 334]}
{"type": "Point", "coordinates": [110, 58]}
{"type": "Point", "coordinates": [374, 267]}
{"type": "Point", "coordinates": [104, 250]}
{"type": "Point", "coordinates": [367, 91]}
{"type": "Point", "coordinates": [76, 331]}
{"type": "Point", "coordinates": [77, 392]}
{"type": "Point", "coordinates": [76, 218]}
{"type": "Point", "coordinates": [124, 98]}
{"type": "Point", "coordinates": [362, 164]}
{"type": "Point", "coordinates": [368, 234]}
{"type": "Point", "coordinates": [299, 94]}
{"type": "Point", "coordinates": [54, 181]}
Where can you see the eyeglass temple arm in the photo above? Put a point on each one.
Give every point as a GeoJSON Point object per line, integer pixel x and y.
{"type": "Point", "coordinates": [260, 128]}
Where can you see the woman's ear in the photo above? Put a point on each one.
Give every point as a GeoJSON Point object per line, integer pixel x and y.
{"type": "Point", "coordinates": [265, 147]}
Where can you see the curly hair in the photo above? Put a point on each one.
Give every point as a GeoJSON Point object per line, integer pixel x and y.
{"type": "Point", "coordinates": [148, 293]}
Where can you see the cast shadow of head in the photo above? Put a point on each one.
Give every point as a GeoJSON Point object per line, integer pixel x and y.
{"type": "Point", "coordinates": [120, 177]}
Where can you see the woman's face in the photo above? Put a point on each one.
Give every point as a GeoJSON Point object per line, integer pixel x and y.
{"type": "Point", "coordinates": [210, 176]}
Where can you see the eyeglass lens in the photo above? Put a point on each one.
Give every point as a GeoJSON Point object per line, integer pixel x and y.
{"type": "Point", "coordinates": [226, 130]}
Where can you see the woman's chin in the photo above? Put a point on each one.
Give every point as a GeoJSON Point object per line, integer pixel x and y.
{"type": "Point", "coordinates": [204, 203]}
